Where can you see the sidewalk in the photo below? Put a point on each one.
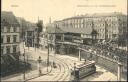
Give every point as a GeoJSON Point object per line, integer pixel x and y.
{"type": "Point", "coordinates": [29, 75]}
{"type": "Point", "coordinates": [32, 73]}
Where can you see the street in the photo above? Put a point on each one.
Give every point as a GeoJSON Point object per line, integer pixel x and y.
{"type": "Point", "coordinates": [64, 65]}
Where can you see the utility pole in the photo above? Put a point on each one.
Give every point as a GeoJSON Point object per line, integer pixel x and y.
{"type": "Point", "coordinates": [24, 63]}
{"type": "Point", "coordinates": [55, 40]}
{"type": "Point", "coordinates": [48, 53]}
{"type": "Point", "coordinates": [126, 39]}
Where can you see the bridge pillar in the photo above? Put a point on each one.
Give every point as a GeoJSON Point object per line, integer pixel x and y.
{"type": "Point", "coordinates": [119, 71]}
{"type": "Point", "coordinates": [79, 54]}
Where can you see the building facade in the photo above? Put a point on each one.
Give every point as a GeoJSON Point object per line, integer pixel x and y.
{"type": "Point", "coordinates": [23, 27]}
{"type": "Point", "coordinates": [80, 29]}
{"type": "Point", "coordinates": [108, 25]}
{"type": "Point", "coordinates": [10, 37]}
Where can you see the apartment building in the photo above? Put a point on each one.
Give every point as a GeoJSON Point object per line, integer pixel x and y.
{"type": "Point", "coordinates": [10, 36]}
{"type": "Point", "coordinates": [108, 25]}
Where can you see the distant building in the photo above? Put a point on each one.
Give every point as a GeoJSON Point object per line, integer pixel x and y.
{"type": "Point", "coordinates": [10, 38]}
{"type": "Point", "coordinates": [109, 26]}
{"type": "Point", "coordinates": [38, 34]}
{"type": "Point", "coordinates": [23, 27]}
{"type": "Point", "coordinates": [80, 29]}
{"type": "Point", "coordinates": [30, 34]}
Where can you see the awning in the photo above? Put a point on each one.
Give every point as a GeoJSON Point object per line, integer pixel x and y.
{"type": "Point", "coordinates": [13, 57]}
{"type": "Point", "coordinates": [7, 59]}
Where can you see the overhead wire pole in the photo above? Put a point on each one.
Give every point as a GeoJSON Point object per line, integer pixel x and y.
{"type": "Point", "coordinates": [126, 40]}
{"type": "Point", "coordinates": [55, 40]}
{"type": "Point", "coordinates": [24, 65]}
{"type": "Point", "coordinates": [24, 50]}
{"type": "Point", "coordinates": [48, 53]}
{"type": "Point", "coordinates": [54, 44]}
{"type": "Point", "coordinates": [24, 62]}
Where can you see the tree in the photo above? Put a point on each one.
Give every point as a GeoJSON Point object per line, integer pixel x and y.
{"type": "Point", "coordinates": [40, 26]}
{"type": "Point", "coordinates": [39, 30]}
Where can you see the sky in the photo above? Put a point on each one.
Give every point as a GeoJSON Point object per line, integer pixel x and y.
{"type": "Point", "coordinates": [60, 9]}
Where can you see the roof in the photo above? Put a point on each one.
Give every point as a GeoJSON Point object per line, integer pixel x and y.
{"type": "Point", "coordinates": [8, 18]}
{"type": "Point", "coordinates": [54, 30]}
{"type": "Point", "coordinates": [86, 30]}
{"type": "Point", "coordinates": [22, 21]}
{"type": "Point", "coordinates": [63, 29]}
{"type": "Point", "coordinates": [31, 26]}
{"type": "Point", "coordinates": [95, 15]}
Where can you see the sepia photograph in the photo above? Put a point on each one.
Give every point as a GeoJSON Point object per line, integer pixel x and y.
{"type": "Point", "coordinates": [64, 40]}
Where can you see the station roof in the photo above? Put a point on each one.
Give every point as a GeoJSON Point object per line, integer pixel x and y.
{"type": "Point", "coordinates": [55, 30]}
{"type": "Point", "coordinates": [77, 30]}
{"type": "Point", "coordinates": [62, 29]}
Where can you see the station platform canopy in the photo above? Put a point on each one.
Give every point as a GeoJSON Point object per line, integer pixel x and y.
{"type": "Point", "coordinates": [63, 29]}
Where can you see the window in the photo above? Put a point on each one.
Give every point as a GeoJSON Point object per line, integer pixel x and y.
{"type": "Point", "coordinates": [14, 29]}
{"type": "Point", "coordinates": [14, 49]}
{"type": "Point", "coordinates": [2, 29]}
{"type": "Point", "coordinates": [2, 39]}
{"type": "Point", "coordinates": [14, 38]}
{"type": "Point", "coordinates": [29, 33]}
{"type": "Point", "coordinates": [2, 50]}
{"type": "Point", "coordinates": [8, 29]}
{"type": "Point", "coordinates": [8, 38]}
{"type": "Point", "coordinates": [8, 49]}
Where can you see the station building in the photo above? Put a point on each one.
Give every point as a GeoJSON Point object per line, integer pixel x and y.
{"type": "Point", "coordinates": [87, 29]}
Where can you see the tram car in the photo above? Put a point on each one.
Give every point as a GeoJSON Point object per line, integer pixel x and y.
{"type": "Point", "coordinates": [83, 70]}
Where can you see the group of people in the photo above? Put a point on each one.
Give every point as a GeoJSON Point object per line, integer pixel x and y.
{"type": "Point", "coordinates": [108, 51]}
{"type": "Point", "coordinates": [122, 54]}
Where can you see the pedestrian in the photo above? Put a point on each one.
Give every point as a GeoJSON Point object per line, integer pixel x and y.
{"type": "Point", "coordinates": [39, 65]}
{"type": "Point", "coordinates": [54, 65]}
{"type": "Point", "coordinates": [84, 61]}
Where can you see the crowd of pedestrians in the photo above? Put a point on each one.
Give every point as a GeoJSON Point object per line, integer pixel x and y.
{"type": "Point", "coordinates": [122, 54]}
{"type": "Point", "coordinates": [108, 51]}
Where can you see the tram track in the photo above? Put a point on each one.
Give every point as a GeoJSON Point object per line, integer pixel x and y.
{"type": "Point", "coordinates": [60, 75]}
{"type": "Point", "coordinates": [65, 73]}
{"type": "Point", "coordinates": [64, 68]}
{"type": "Point", "coordinates": [58, 72]}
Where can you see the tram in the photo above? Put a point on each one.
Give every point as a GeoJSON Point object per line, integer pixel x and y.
{"type": "Point", "coordinates": [83, 70]}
